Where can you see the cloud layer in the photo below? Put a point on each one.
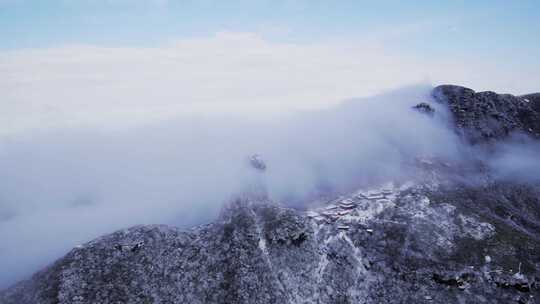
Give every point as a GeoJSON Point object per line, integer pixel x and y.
{"type": "Point", "coordinates": [65, 186]}
{"type": "Point", "coordinates": [228, 72]}
{"type": "Point", "coordinates": [96, 139]}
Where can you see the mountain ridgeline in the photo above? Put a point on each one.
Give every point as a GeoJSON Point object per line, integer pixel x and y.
{"type": "Point", "coordinates": [456, 233]}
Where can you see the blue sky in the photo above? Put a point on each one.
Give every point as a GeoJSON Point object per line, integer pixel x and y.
{"type": "Point", "coordinates": [433, 27]}
{"type": "Point", "coordinates": [66, 61]}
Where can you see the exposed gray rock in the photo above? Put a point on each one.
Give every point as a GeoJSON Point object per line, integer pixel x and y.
{"type": "Point", "coordinates": [257, 163]}
{"type": "Point", "coordinates": [424, 108]}
{"type": "Point", "coordinates": [534, 100]}
{"type": "Point", "coordinates": [487, 116]}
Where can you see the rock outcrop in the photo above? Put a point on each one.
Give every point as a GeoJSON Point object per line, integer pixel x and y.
{"type": "Point", "coordinates": [534, 99]}
{"type": "Point", "coordinates": [487, 116]}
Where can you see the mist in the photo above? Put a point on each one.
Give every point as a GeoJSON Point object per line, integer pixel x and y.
{"type": "Point", "coordinates": [64, 186]}
{"type": "Point", "coordinates": [516, 159]}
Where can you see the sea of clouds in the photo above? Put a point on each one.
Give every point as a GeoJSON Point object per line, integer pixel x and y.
{"type": "Point", "coordinates": [98, 139]}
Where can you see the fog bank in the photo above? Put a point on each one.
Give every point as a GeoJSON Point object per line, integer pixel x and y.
{"type": "Point", "coordinates": [61, 187]}
{"type": "Point", "coordinates": [65, 186]}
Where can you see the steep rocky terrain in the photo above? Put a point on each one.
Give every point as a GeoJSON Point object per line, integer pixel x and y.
{"type": "Point", "coordinates": [485, 116]}
{"type": "Point", "coordinates": [534, 99]}
{"type": "Point", "coordinates": [452, 234]}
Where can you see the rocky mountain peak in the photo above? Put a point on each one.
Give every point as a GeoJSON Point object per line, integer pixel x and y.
{"type": "Point", "coordinates": [487, 116]}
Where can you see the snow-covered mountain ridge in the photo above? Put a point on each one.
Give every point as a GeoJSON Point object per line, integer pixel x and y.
{"type": "Point", "coordinates": [456, 233]}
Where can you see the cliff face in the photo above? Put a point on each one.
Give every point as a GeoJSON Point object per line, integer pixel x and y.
{"type": "Point", "coordinates": [432, 239]}
{"type": "Point", "coordinates": [534, 99]}
{"type": "Point", "coordinates": [487, 116]}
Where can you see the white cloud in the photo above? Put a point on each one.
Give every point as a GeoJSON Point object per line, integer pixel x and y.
{"type": "Point", "coordinates": [71, 184]}
{"type": "Point", "coordinates": [228, 72]}
{"type": "Point", "coordinates": [67, 186]}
